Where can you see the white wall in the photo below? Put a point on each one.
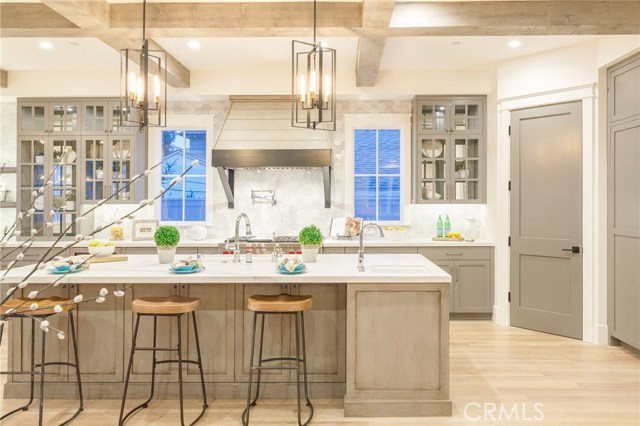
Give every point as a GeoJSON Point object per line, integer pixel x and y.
{"type": "Point", "coordinates": [559, 76]}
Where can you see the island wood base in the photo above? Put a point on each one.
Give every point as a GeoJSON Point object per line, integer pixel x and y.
{"type": "Point", "coordinates": [382, 346]}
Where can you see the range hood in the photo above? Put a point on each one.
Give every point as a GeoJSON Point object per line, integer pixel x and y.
{"type": "Point", "coordinates": [257, 133]}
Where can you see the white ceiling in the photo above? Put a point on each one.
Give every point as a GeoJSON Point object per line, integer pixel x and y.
{"type": "Point", "coordinates": [410, 53]}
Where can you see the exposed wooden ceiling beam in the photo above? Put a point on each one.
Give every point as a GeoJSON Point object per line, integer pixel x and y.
{"type": "Point", "coordinates": [4, 79]}
{"type": "Point", "coordinates": [95, 16]}
{"type": "Point", "coordinates": [376, 15]}
{"type": "Point", "coordinates": [459, 18]}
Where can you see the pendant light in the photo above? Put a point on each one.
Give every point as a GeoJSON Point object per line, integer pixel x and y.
{"type": "Point", "coordinates": [143, 84]}
{"type": "Point", "coordinates": [313, 88]}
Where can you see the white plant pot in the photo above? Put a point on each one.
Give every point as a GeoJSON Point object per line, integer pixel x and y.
{"type": "Point", "coordinates": [70, 205]}
{"type": "Point", "coordinates": [39, 159]}
{"type": "Point", "coordinates": [166, 254]}
{"type": "Point", "coordinates": [462, 174]}
{"type": "Point", "coordinates": [310, 254]}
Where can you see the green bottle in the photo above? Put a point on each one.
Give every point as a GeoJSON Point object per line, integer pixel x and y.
{"type": "Point", "coordinates": [440, 230]}
{"type": "Point", "coordinates": [447, 227]}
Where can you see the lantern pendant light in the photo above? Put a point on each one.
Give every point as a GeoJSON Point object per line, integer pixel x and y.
{"type": "Point", "coordinates": [143, 84]}
{"type": "Point", "coordinates": [313, 87]}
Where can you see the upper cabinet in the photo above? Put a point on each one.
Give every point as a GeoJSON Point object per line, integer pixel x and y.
{"type": "Point", "coordinates": [449, 149]}
{"type": "Point", "coordinates": [103, 117]}
{"type": "Point", "coordinates": [49, 118]}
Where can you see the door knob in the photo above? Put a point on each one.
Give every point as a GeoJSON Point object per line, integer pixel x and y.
{"type": "Point", "coordinates": [573, 249]}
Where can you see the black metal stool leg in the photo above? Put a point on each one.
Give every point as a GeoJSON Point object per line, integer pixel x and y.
{"type": "Point", "coordinates": [262, 320]}
{"type": "Point", "coordinates": [180, 369]}
{"type": "Point", "coordinates": [77, 367]}
{"type": "Point", "coordinates": [154, 363]}
{"type": "Point", "coordinates": [42, 367]}
{"type": "Point", "coordinates": [304, 357]}
{"type": "Point", "coordinates": [245, 413]}
{"type": "Point", "coordinates": [204, 390]}
{"type": "Point", "coordinates": [297, 331]}
{"type": "Point", "coordinates": [126, 381]}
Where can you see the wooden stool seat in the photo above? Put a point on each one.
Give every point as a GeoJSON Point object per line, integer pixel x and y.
{"type": "Point", "coordinates": [165, 305]}
{"type": "Point", "coordinates": [45, 305]}
{"type": "Point", "coordinates": [279, 303]}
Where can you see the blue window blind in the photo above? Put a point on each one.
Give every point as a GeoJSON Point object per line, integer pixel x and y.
{"type": "Point", "coordinates": [376, 166]}
{"type": "Point", "coordinates": [186, 201]}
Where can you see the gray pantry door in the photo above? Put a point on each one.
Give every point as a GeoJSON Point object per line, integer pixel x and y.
{"type": "Point", "coordinates": [546, 219]}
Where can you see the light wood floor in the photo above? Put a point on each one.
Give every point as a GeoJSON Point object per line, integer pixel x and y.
{"type": "Point", "coordinates": [577, 384]}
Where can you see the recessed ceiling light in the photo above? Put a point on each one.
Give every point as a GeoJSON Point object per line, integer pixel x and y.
{"type": "Point", "coordinates": [456, 43]}
{"type": "Point", "coordinates": [74, 43]}
{"type": "Point", "coordinates": [194, 44]}
{"type": "Point", "coordinates": [515, 43]}
{"type": "Point", "coordinates": [46, 45]}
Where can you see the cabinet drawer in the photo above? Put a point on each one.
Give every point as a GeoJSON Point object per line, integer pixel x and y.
{"type": "Point", "coordinates": [455, 253]}
{"type": "Point", "coordinates": [333, 250]}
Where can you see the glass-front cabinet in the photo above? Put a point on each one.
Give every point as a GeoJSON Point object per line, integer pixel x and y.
{"type": "Point", "coordinates": [108, 168]}
{"type": "Point", "coordinates": [449, 150]}
{"type": "Point", "coordinates": [103, 117]}
{"type": "Point", "coordinates": [48, 175]}
{"type": "Point", "coordinates": [49, 117]}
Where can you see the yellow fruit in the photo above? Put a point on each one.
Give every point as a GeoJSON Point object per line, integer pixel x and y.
{"type": "Point", "coordinates": [456, 234]}
{"type": "Point", "coordinates": [450, 234]}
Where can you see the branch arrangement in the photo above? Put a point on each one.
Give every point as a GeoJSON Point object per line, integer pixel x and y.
{"type": "Point", "coordinates": [32, 308]}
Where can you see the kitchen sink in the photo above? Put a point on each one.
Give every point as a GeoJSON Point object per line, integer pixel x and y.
{"type": "Point", "coordinates": [398, 269]}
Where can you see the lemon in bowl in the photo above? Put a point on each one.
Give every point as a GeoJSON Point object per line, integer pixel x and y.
{"type": "Point", "coordinates": [101, 249]}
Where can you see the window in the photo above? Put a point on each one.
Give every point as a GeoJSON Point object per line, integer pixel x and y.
{"type": "Point", "coordinates": [186, 201]}
{"type": "Point", "coordinates": [376, 187]}
{"type": "Point", "coordinates": [377, 171]}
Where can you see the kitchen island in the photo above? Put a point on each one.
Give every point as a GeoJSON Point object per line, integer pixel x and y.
{"type": "Point", "coordinates": [378, 339]}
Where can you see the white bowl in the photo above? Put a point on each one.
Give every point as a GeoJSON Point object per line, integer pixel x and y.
{"type": "Point", "coordinates": [395, 235]}
{"type": "Point", "coordinates": [100, 251]}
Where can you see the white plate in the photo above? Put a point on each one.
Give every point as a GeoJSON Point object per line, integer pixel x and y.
{"type": "Point", "coordinates": [38, 203]}
{"type": "Point", "coordinates": [434, 149]}
{"type": "Point", "coordinates": [69, 157]}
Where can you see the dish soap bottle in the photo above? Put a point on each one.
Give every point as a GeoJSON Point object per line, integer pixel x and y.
{"type": "Point", "coordinates": [447, 227]}
{"type": "Point", "coordinates": [439, 228]}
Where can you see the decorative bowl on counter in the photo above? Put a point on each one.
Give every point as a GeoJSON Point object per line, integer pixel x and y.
{"type": "Point", "coordinates": [186, 266]}
{"type": "Point", "coordinates": [394, 233]}
{"type": "Point", "coordinates": [298, 269]}
{"type": "Point", "coordinates": [100, 249]}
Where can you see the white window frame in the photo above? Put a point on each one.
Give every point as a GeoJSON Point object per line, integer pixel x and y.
{"type": "Point", "coordinates": [400, 122]}
{"type": "Point", "coordinates": [181, 122]}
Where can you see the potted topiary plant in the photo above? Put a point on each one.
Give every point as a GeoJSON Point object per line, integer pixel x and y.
{"type": "Point", "coordinates": [310, 239]}
{"type": "Point", "coordinates": [166, 238]}
{"type": "Point", "coordinates": [38, 154]}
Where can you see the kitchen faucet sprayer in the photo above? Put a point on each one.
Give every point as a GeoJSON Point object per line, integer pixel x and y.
{"type": "Point", "coordinates": [236, 251]}
{"type": "Point", "coordinates": [361, 247]}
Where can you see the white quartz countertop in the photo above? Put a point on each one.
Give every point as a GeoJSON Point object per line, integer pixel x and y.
{"type": "Point", "coordinates": [331, 268]}
{"type": "Point", "coordinates": [369, 242]}
{"type": "Point", "coordinates": [405, 242]}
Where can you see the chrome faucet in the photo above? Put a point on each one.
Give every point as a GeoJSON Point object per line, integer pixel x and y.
{"type": "Point", "coordinates": [236, 251]}
{"type": "Point", "coordinates": [361, 248]}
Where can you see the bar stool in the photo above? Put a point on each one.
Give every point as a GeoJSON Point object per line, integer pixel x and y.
{"type": "Point", "coordinates": [44, 311]}
{"type": "Point", "coordinates": [283, 304]}
{"type": "Point", "coordinates": [172, 306]}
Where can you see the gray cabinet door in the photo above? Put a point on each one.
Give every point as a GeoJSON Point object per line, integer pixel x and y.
{"type": "Point", "coordinates": [166, 336]}
{"type": "Point", "coordinates": [325, 330]}
{"type": "Point", "coordinates": [56, 350]}
{"type": "Point", "coordinates": [215, 330]}
{"type": "Point", "coordinates": [472, 286]}
{"type": "Point", "coordinates": [100, 329]}
{"type": "Point", "coordinates": [277, 336]}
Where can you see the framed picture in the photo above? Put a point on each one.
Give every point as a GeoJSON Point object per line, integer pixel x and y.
{"type": "Point", "coordinates": [144, 229]}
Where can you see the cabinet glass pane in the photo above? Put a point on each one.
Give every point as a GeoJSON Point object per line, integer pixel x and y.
{"type": "Point", "coordinates": [32, 118]}
{"type": "Point", "coordinates": [65, 118]}
{"type": "Point", "coordinates": [94, 118]}
{"type": "Point", "coordinates": [433, 117]}
{"type": "Point", "coordinates": [116, 112]}
{"type": "Point", "coordinates": [466, 117]}
{"type": "Point", "coordinates": [434, 168]}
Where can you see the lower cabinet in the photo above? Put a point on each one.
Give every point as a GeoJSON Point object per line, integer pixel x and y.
{"type": "Point", "coordinates": [472, 277]}
{"type": "Point", "coordinates": [325, 330]}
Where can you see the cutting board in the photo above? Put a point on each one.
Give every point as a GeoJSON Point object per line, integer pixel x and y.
{"type": "Point", "coordinates": [458, 240]}
{"type": "Point", "coordinates": [111, 258]}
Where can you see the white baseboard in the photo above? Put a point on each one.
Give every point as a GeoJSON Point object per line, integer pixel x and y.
{"type": "Point", "coordinates": [601, 334]}
{"type": "Point", "coordinates": [500, 316]}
